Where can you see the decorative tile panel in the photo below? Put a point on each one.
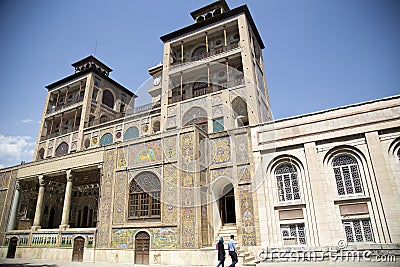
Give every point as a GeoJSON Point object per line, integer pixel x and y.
{"type": "Point", "coordinates": [165, 238]}
{"type": "Point", "coordinates": [123, 238]}
{"type": "Point", "coordinates": [216, 99]}
{"type": "Point", "coordinates": [247, 213]}
{"type": "Point", "coordinates": [242, 148]}
{"type": "Point", "coordinates": [121, 181]}
{"type": "Point", "coordinates": [244, 174]}
{"type": "Point", "coordinates": [239, 92]}
{"type": "Point", "coordinates": [188, 222]}
{"type": "Point", "coordinates": [188, 227]}
{"type": "Point", "coordinates": [145, 153]}
{"type": "Point", "coordinates": [220, 150]}
{"type": "Point", "coordinates": [169, 148]}
{"type": "Point", "coordinates": [222, 172]}
{"type": "Point", "coordinates": [202, 102]}
{"type": "Point", "coordinates": [106, 198]}
{"type": "Point", "coordinates": [217, 111]}
{"type": "Point", "coordinates": [171, 122]}
{"type": "Point", "coordinates": [122, 157]}
{"type": "Point", "coordinates": [169, 194]}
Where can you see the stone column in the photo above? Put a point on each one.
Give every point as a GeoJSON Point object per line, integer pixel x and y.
{"type": "Point", "coordinates": [14, 209]}
{"type": "Point", "coordinates": [67, 202]}
{"type": "Point", "coordinates": [39, 204]}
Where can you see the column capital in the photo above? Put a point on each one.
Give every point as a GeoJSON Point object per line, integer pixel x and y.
{"type": "Point", "coordinates": [69, 175]}
{"type": "Point", "coordinates": [42, 182]}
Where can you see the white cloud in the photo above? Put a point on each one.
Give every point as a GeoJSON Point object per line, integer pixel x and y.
{"type": "Point", "coordinates": [14, 149]}
{"type": "Point", "coordinates": [26, 121]}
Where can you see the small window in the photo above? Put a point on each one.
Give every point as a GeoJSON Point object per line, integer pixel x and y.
{"type": "Point", "coordinates": [41, 153]}
{"type": "Point", "coordinates": [293, 234]}
{"type": "Point", "coordinates": [218, 124]}
{"type": "Point", "coordinates": [62, 149]}
{"type": "Point", "coordinates": [358, 231]}
{"type": "Point", "coordinates": [96, 82]}
{"type": "Point", "coordinates": [122, 108]}
{"type": "Point", "coordinates": [108, 99]}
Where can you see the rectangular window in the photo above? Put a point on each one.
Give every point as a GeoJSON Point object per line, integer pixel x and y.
{"type": "Point", "coordinates": [293, 234]}
{"type": "Point", "coordinates": [96, 82]}
{"type": "Point", "coordinates": [218, 124]}
{"type": "Point", "coordinates": [358, 230]}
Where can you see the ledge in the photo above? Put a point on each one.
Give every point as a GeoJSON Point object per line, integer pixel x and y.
{"type": "Point", "coordinates": [286, 206]}
{"type": "Point", "coordinates": [351, 200]}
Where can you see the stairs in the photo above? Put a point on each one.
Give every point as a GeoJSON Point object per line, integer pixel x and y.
{"type": "Point", "coordinates": [245, 259]}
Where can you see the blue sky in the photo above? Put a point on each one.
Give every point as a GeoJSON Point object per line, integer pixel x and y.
{"type": "Point", "coordinates": [319, 54]}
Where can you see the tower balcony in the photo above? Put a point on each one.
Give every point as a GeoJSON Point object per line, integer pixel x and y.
{"type": "Point", "coordinates": [205, 55]}
{"type": "Point", "coordinates": [212, 88]}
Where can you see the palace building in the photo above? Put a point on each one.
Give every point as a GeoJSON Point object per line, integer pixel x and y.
{"type": "Point", "coordinates": [160, 183]}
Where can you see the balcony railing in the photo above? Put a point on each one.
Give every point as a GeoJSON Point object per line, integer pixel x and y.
{"type": "Point", "coordinates": [214, 52]}
{"type": "Point", "coordinates": [63, 106]}
{"type": "Point", "coordinates": [206, 90]}
{"type": "Point", "coordinates": [146, 107]}
{"type": "Point", "coordinates": [60, 132]}
{"type": "Point", "coordinates": [139, 109]}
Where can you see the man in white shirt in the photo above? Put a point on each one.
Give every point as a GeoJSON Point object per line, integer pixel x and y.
{"type": "Point", "coordinates": [232, 251]}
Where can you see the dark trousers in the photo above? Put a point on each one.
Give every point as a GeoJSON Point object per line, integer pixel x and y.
{"type": "Point", "coordinates": [234, 258]}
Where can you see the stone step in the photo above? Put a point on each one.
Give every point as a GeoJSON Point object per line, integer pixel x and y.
{"type": "Point", "coordinates": [249, 258]}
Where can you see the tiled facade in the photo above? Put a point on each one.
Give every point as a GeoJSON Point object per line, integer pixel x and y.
{"type": "Point", "coordinates": [157, 184]}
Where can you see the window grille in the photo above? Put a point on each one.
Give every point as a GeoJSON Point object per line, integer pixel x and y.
{"type": "Point", "coordinates": [144, 197]}
{"type": "Point", "coordinates": [288, 186]}
{"type": "Point", "coordinates": [293, 234]}
{"type": "Point", "coordinates": [358, 231]}
{"type": "Point", "coordinates": [347, 175]}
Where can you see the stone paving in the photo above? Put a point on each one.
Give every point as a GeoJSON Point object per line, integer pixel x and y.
{"type": "Point", "coordinates": [18, 262]}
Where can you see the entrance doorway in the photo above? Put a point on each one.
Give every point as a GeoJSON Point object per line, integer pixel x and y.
{"type": "Point", "coordinates": [227, 205]}
{"type": "Point", "coordinates": [12, 247]}
{"type": "Point", "coordinates": [79, 244]}
{"type": "Point", "coordinates": [142, 246]}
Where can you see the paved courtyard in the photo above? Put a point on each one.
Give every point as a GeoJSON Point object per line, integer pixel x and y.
{"type": "Point", "coordinates": [58, 263]}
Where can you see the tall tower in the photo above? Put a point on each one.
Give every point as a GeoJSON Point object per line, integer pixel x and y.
{"type": "Point", "coordinates": [213, 74]}
{"type": "Point", "coordinates": [78, 102]}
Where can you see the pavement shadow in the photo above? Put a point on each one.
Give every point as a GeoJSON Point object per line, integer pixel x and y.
{"type": "Point", "coordinates": [27, 265]}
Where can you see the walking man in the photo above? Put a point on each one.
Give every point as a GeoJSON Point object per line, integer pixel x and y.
{"type": "Point", "coordinates": [232, 251]}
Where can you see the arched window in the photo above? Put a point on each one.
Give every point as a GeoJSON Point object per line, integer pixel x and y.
{"type": "Point", "coordinates": [108, 99]}
{"type": "Point", "coordinates": [106, 139]}
{"type": "Point", "coordinates": [199, 51]}
{"type": "Point", "coordinates": [103, 119]}
{"type": "Point", "coordinates": [347, 175]}
{"type": "Point", "coordinates": [239, 107]}
{"type": "Point", "coordinates": [144, 196]}
{"type": "Point", "coordinates": [62, 149]}
{"type": "Point", "coordinates": [131, 133]}
{"type": "Point", "coordinates": [197, 116]}
{"type": "Point", "coordinates": [288, 185]}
